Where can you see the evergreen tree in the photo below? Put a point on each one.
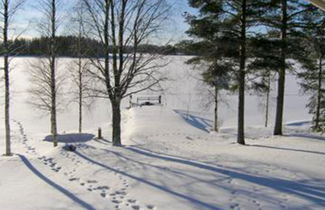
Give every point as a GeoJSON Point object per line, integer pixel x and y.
{"type": "Point", "coordinates": [218, 72]}
{"type": "Point", "coordinates": [285, 18]}
{"type": "Point", "coordinates": [312, 75]}
{"type": "Point", "coordinates": [285, 24]}
{"type": "Point", "coordinates": [213, 51]}
{"type": "Point", "coordinates": [264, 64]}
{"type": "Point", "coordinates": [224, 26]}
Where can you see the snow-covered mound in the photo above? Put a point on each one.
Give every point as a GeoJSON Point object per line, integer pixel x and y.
{"type": "Point", "coordinates": [159, 121]}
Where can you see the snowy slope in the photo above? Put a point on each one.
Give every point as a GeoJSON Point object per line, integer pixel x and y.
{"type": "Point", "coordinates": [169, 164]}
{"type": "Point", "coordinates": [182, 92]}
{"type": "Point", "coordinates": [170, 160]}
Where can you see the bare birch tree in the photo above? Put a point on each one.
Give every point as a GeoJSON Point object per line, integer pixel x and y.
{"type": "Point", "coordinates": [80, 81]}
{"type": "Point", "coordinates": [40, 90]}
{"type": "Point", "coordinates": [8, 9]}
{"type": "Point", "coordinates": [44, 76]}
{"type": "Point", "coordinates": [80, 77]}
{"type": "Point", "coordinates": [121, 25]}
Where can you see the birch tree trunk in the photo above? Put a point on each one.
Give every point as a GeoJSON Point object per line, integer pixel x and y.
{"type": "Point", "coordinates": [6, 76]}
{"type": "Point", "coordinates": [80, 94]}
{"type": "Point", "coordinates": [80, 75]}
{"type": "Point", "coordinates": [53, 75]}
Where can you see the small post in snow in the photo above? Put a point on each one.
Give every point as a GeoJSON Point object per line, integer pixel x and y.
{"type": "Point", "coordinates": [99, 133]}
{"type": "Point", "coordinates": [130, 101]}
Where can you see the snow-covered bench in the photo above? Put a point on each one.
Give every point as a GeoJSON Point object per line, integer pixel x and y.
{"type": "Point", "coordinates": [146, 101]}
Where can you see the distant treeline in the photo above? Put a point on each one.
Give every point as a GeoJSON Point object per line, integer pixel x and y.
{"type": "Point", "coordinates": [66, 47]}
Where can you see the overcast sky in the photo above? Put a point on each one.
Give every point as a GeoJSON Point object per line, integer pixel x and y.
{"type": "Point", "coordinates": [26, 21]}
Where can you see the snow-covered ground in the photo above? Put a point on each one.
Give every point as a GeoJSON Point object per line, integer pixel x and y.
{"type": "Point", "coordinates": [170, 159]}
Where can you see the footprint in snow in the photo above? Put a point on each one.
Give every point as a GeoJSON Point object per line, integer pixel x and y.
{"type": "Point", "coordinates": [74, 179]}
{"type": "Point", "coordinates": [135, 207]}
{"type": "Point", "coordinates": [102, 188]}
{"type": "Point", "coordinates": [91, 181]}
{"type": "Point", "coordinates": [116, 201]}
{"type": "Point", "coordinates": [150, 206]}
{"type": "Point", "coordinates": [234, 206]}
{"type": "Point", "coordinates": [120, 193]}
{"type": "Point", "coordinates": [256, 203]}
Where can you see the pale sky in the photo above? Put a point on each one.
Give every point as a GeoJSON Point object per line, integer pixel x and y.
{"type": "Point", "coordinates": [26, 19]}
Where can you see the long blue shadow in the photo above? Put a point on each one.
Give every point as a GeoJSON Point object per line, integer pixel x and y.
{"type": "Point", "coordinates": [308, 136]}
{"type": "Point", "coordinates": [196, 121]}
{"type": "Point", "coordinates": [56, 186]}
{"type": "Point", "coordinates": [173, 171]}
{"type": "Point", "coordinates": [301, 123]}
{"type": "Point", "coordinates": [289, 149]}
{"type": "Point", "coordinates": [190, 199]}
{"type": "Point", "coordinates": [314, 193]}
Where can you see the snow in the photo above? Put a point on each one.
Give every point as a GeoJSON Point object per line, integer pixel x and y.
{"type": "Point", "coordinates": [170, 158]}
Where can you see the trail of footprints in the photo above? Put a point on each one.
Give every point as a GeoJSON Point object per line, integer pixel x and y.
{"type": "Point", "coordinates": [32, 150]}
{"type": "Point", "coordinates": [233, 205]}
{"type": "Point", "coordinates": [118, 197]}
{"type": "Point", "coordinates": [258, 206]}
{"type": "Point", "coordinates": [50, 162]}
{"type": "Point", "coordinates": [23, 140]}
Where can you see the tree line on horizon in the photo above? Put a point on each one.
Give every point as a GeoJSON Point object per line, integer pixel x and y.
{"type": "Point", "coordinates": [65, 47]}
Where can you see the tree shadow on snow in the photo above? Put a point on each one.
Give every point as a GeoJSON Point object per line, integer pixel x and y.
{"type": "Point", "coordinates": [308, 136]}
{"type": "Point", "coordinates": [71, 138]}
{"type": "Point", "coordinates": [300, 123]}
{"type": "Point", "coordinates": [150, 183]}
{"type": "Point", "coordinates": [196, 121]}
{"type": "Point", "coordinates": [54, 185]}
{"type": "Point", "coordinates": [103, 141]}
{"type": "Point", "coordinates": [310, 190]}
{"type": "Point", "coordinates": [289, 149]}
{"type": "Point", "coordinates": [313, 192]}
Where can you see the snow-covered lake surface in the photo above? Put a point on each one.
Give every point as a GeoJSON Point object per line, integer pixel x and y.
{"type": "Point", "coordinates": [170, 160]}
